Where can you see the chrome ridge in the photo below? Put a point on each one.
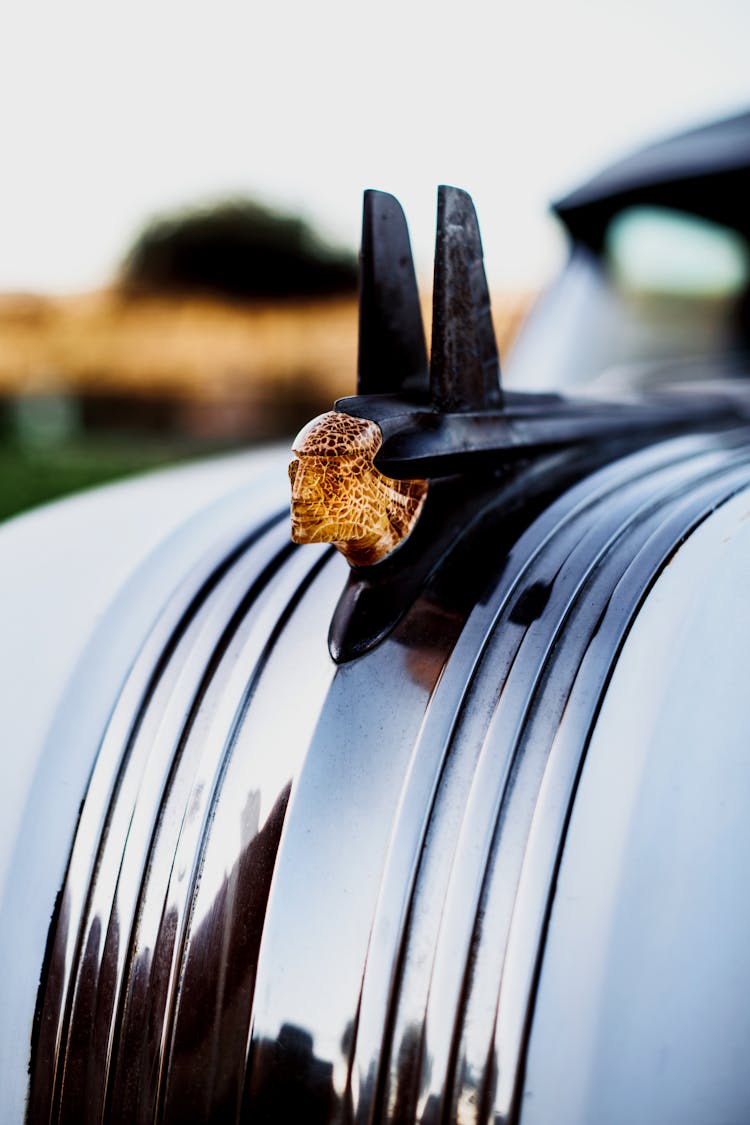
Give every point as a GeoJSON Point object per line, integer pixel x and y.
{"type": "Point", "coordinates": [303, 891]}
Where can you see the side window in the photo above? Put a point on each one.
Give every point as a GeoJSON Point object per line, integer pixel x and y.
{"type": "Point", "coordinates": [661, 253]}
{"type": "Point", "coordinates": [667, 298]}
{"type": "Point", "coordinates": [682, 283]}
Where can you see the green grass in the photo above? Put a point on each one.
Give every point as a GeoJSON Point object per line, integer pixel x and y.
{"type": "Point", "coordinates": [31, 476]}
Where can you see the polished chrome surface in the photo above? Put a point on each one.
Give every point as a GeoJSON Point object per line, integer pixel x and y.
{"type": "Point", "coordinates": [621, 588]}
{"type": "Point", "coordinates": [504, 775]}
{"type": "Point", "coordinates": [443, 766]}
{"type": "Point", "coordinates": [132, 818]}
{"type": "Point", "coordinates": [250, 757]}
{"type": "Point", "coordinates": [303, 891]}
{"type": "Point", "coordinates": [89, 576]}
{"type": "Point", "coordinates": [98, 908]}
{"type": "Point", "coordinates": [647, 959]}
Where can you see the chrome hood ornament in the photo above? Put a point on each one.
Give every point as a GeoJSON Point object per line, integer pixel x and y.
{"type": "Point", "coordinates": [339, 497]}
{"type": "Point", "coordinates": [424, 449]}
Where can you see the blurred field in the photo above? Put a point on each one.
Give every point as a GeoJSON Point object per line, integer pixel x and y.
{"type": "Point", "coordinates": [187, 351]}
{"type": "Point", "coordinates": [32, 475]}
{"type": "Point", "coordinates": [95, 385]}
{"type": "Point", "coordinates": [197, 349]}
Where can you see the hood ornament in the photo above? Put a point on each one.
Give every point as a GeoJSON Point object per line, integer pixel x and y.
{"type": "Point", "coordinates": [401, 475]}
{"type": "Point", "coordinates": [339, 497]}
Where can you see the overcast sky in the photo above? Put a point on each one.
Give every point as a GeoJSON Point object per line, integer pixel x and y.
{"type": "Point", "coordinates": [112, 112]}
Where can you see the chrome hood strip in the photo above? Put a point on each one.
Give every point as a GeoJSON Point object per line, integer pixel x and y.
{"type": "Point", "coordinates": [485, 705]}
{"type": "Point", "coordinates": [303, 891]}
{"type": "Point", "coordinates": [449, 742]}
{"type": "Point", "coordinates": [95, 814]}
{"type": "Point", "coordinates": [146, 730]}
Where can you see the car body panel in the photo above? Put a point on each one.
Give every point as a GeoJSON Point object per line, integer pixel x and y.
{"type": "Point", "coordinates": [640, 1010]}
{"type": "Point", "coordinates": [88, 577]}
{"type": "Point", "coordinates": [276, 883]}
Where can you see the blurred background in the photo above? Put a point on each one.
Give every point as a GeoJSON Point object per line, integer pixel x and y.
{"type": "Point", "coordinates": [181, 186]}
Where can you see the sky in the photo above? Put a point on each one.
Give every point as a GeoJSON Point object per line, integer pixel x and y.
{"type": "Point", "coordinates": [113, 112]}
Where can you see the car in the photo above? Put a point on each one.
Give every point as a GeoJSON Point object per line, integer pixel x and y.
{"type": "Point", "coordinates": [439, 811]}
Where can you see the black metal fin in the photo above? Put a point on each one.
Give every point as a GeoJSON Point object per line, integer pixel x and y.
{"type": "Point", "coordinates": [464, 367]}
{"type": "Point", "coordinates": [392, 350]}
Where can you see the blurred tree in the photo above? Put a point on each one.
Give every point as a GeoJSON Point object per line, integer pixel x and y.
{"type": "Point", "coordinates": [237, 249]}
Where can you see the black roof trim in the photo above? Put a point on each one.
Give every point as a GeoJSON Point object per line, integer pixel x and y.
{"type": "Point", "coordinates": [705, 171]}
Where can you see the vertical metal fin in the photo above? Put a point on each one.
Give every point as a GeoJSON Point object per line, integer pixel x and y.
{"type": "Point", "coordinates": [392, 350]}
{"type": "Point", "coordinates": [464, 368]}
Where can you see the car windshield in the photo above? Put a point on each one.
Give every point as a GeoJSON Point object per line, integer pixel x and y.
{"type": "Point", "coordinates": [665, 299]}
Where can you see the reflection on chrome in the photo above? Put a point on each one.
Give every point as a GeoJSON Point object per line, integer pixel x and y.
{"type": "Point", "coordinates": [303, 891]}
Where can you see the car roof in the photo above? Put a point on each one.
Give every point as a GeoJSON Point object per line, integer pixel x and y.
{"type": "Point", "coordinates": [704, 171]}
